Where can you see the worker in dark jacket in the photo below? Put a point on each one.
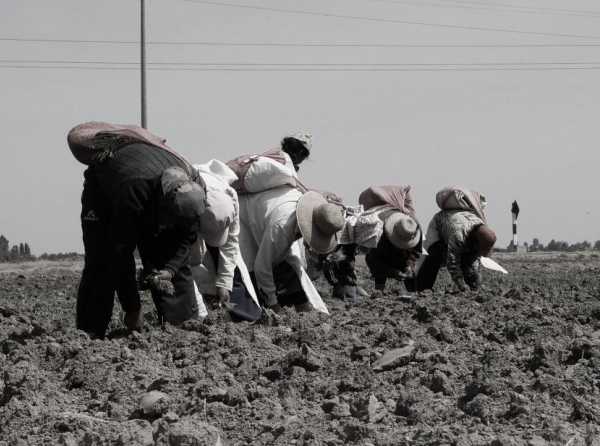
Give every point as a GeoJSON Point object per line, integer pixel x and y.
{"type": "Point", "coordinates": [142, 196]}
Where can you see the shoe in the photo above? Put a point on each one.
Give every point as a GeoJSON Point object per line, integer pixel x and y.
{"type": "Point", "coordinates": [361, 292]}
{"type": "Point", "coordinates": [133, 320]}
{"type": "Point", "coordinates": [338, 291]}
{"type": "Point", "coordinates": [276, 308]}
{"type": "Point", "coordinates": [304, 308]}
{"type": "Point", "coordinates": [378, 293]}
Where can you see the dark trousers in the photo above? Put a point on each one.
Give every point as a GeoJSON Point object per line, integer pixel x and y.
{"type": "Point", "coordinates": [339, 266]}
{"type": "Point", "coordinates": [182, 305]}
{"type": "Point", "coordinates": [95, 297]}
{"type": "Point", "coordinates": [384, 262]}
{"type": "Point", "coordinates": [288, 286]}
{"type": "Point", "coordinates": [427, 275]}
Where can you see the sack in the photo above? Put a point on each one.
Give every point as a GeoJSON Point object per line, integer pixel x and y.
{"type": "Point", "coordinates": [257, 173]}
{"type": "Point", "coordinates": [461, 198]}
{"type": "Point", "coordinates": [399, 197]}
{"type": "Point", "coordinates": [93, 142]}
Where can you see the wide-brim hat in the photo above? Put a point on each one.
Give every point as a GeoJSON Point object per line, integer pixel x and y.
{"type": "Point", "coordinates": [319, 222]}
{"type": "Point", "coordinates": [217, 217]}
{"type": "Point", "coordinates": [402, 230]}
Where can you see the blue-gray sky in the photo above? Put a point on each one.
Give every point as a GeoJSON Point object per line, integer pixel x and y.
{"type": "Point", "coordinates": [510, 133]}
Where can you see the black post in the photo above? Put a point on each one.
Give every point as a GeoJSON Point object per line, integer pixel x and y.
{"type": "Point", "coordinates": [143, 61]}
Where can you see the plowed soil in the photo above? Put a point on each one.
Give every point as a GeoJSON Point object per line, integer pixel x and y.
{"type": "Point", "coordinates": [517, 363]}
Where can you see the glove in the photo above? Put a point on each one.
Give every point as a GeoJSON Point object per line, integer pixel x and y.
{"type": "Point", "coordinates": [223, 295]}
{"type": "Point", "coordinates": [163, 274]}
{"type": "Point", "coordinates": [160, 281]}
{"type": "Point", "coordinates": [164, 287]}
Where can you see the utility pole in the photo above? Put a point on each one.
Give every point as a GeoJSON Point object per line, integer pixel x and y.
{"type": "Point", "coordinates": [143, 61]}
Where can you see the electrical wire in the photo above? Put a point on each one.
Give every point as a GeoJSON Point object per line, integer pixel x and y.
{"type": "Point", "coordinates": [275, 69]}
{"type": "Point", "coordinates": [304, 44]}
{"type": "Point", "coordinates": [391, 21]}
{"type": "Point", "coordinates": [293, 64]}
{"type": "Point", "coordinates": [537, 8]}
{"type": "Point", "coordinates": [494, 7]}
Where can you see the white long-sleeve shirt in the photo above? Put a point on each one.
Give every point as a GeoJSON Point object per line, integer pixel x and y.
{"type": "Point", "coordinates": [216, 175]}
{"type": "Point", "coordinates": [268, 229]}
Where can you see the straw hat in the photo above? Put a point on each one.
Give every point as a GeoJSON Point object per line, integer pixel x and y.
{"type": "Point", "coordinates": [319, 221]}
{"type": "Point", "coordinates": [217, 217]}
{"type": "Point", "coordinates": [402, 230]}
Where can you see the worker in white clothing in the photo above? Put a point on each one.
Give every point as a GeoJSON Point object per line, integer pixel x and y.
{"type": "Point", "coordinates": [270, 222]}
{"type": "Point", "coordinates": [214, 261]}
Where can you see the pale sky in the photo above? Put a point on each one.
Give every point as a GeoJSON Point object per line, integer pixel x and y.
{"type": "Point", "coordinates": [507, 132]}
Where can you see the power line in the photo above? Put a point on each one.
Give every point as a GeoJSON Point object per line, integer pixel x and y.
{"type": "Point", "coordinates": [392, 21]}
{"type": "Point", "coordinates": [275, 69]}
{"type": "Point", "coordinates": [494, 7]}
{"type": "Point", "coordinates": [304, 44]}
{"type": "Point", "coordinates": [537, 8]}
{"type": "Point", "coordinates": [293, 64]}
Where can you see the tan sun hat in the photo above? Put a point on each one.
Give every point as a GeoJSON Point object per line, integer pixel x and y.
{"type": "Point", "coordinates": [402, 230]}
{"type": "Point", "coordinates": [217, 217]}
{"type": "Point", "coordinates": [319, 221]}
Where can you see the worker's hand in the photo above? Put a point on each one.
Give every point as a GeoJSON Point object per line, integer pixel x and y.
{"type": "Point", "coordinates": [223, 295]}
{"type": "Point", "coordinates": [160, 281]}
{"type": "Point", "coordinates": [400, 275]}
{"type": "Point", "coordinates": [333, 198]}
{"type": "Point", "coordinates": [163, 274]}
{"type": "Point", "coordinates": [164, 287]}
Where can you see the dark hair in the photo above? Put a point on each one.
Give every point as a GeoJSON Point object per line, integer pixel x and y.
{"type": "Point", "coordinates": [295, 149]}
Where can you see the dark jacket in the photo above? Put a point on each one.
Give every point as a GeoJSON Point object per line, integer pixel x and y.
{"type": "Point", "coordinates": [130, 184]}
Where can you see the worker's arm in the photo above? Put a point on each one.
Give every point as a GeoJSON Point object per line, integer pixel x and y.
{"type": "Point", "coordinates": [276, 242]}
{"type": "Point", "coordinates": [124, 228]}
{"type": "Point", "coordinates": [230, 251]}
{"type": "Point", "coordinates": [186, 238]}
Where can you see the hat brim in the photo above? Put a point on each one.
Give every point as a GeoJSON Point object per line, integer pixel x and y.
{"type": "Point", "coordinates": [216, 239]}
{"type": "Point", "coordinates": [318, 241]}
{"type": "Point", "coordinates": [398, 243]}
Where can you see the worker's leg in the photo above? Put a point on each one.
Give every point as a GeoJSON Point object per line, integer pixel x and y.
{"type": "Point", "coordinates": [427, 274]}
{"type": "Point", "coordinates": [287, 283]}
{"type": "Point", "coordinates": [377, 268]}
{"type": "Point", "coordinates": [95, 295]}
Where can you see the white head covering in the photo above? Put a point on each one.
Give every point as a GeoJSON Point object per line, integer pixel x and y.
{"type": "Point", "coordinates": [305, 138]}
{"type": "Point", "coordinates": [217, 217]}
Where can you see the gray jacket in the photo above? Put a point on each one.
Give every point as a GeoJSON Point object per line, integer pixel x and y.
{"type": "Point", "coordinates": [453, 228]}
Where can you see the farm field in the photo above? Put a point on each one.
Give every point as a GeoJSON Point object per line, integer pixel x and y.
{"type": "Point", "coordinates": [517, 363]}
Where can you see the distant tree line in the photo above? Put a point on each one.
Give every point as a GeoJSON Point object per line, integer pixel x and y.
{"type": "Point", "coordinates": [561, 245]}
{"type": "Point", "coordinates": [60, 256]}
{"type": "Point", "coordinates": [15, 253]}
{"type": "Point", "coordinates": [22, 252]}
